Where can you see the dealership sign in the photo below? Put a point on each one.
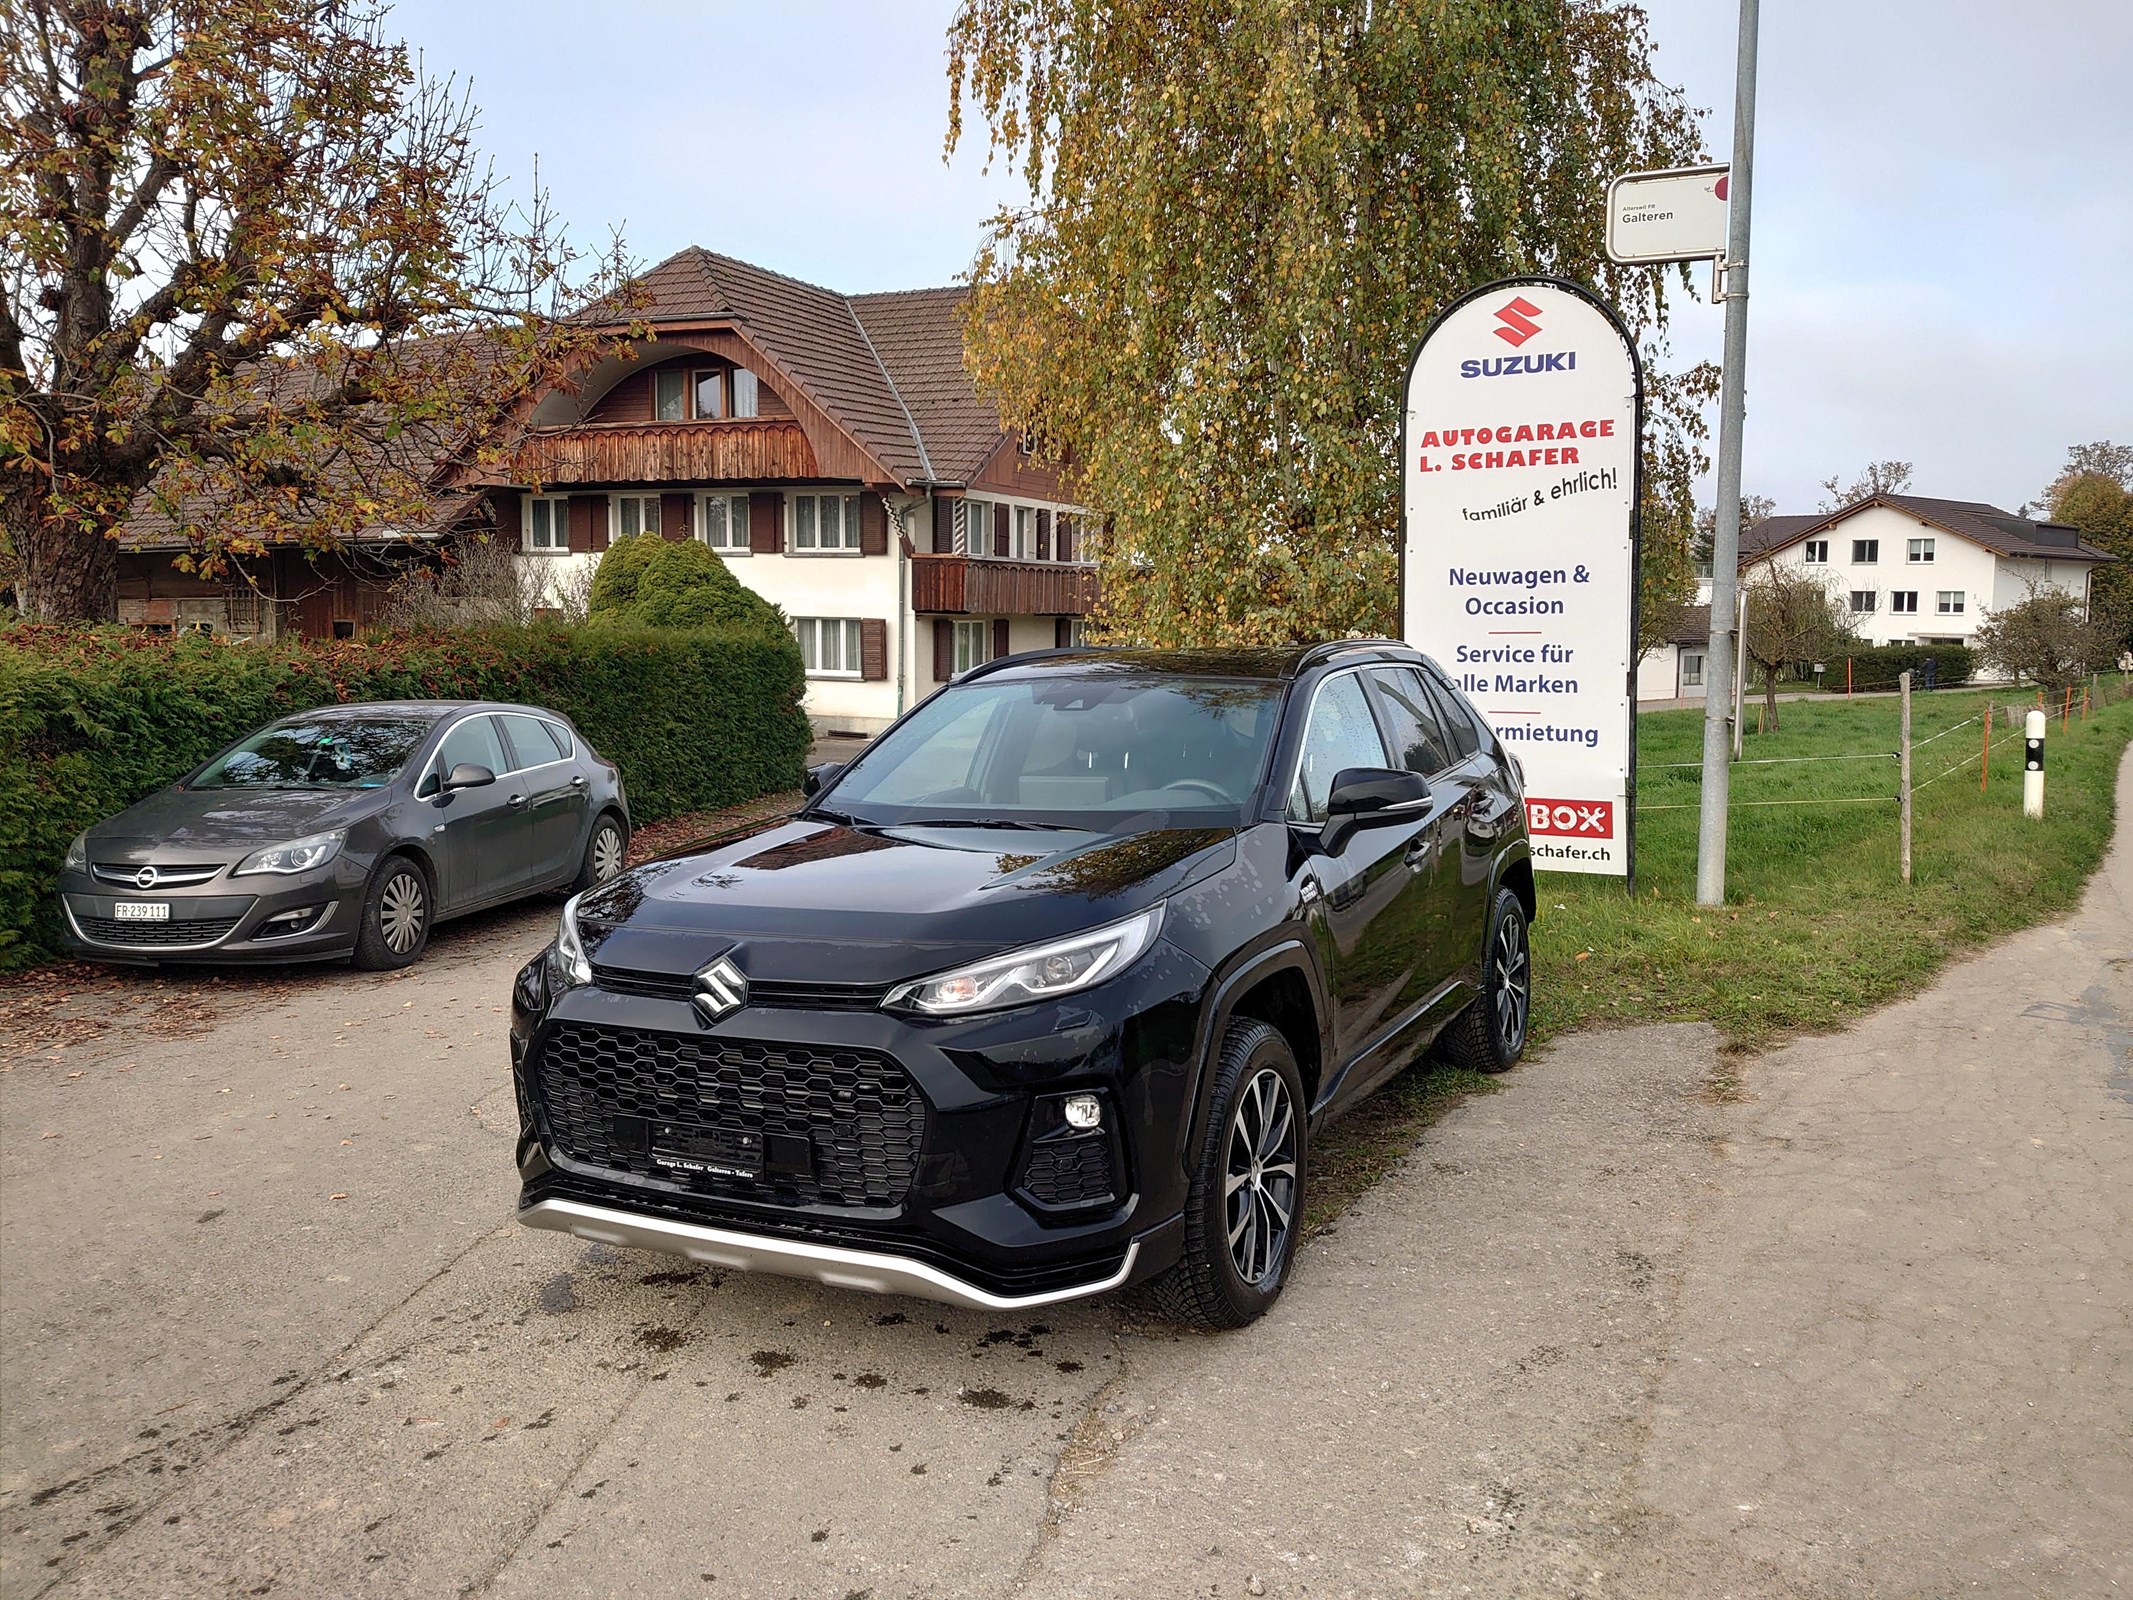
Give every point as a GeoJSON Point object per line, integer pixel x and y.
{"type": "Point", "coordinates": [1519, 555]}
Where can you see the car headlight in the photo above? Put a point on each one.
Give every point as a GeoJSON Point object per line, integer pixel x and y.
{"type": "Point", "coordinates": [298, 855]}
{"type": "Point", "coordinates": [1038, 973]}
{"type": "Point", "coordinates": [568, 965]}
{"type": "Point", "coordinates": [77, 858]}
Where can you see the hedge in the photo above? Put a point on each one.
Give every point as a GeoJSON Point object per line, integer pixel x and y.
{"type": "Point", "coordinates": [91, 720]}
{"type": "Point", "coordinates": [1879, 666]}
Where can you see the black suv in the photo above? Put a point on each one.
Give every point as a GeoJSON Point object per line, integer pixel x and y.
{"type": "Point", "coordinates": [1046, 992]}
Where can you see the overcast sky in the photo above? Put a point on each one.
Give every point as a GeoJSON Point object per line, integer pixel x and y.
{"type": "Point", "coordinates": [1943, 192]}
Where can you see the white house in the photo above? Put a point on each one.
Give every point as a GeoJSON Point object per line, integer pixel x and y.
{"type": "Point", "coordinates": [1910, 569]}
{"type": "Point", "coordinates": [834, 452]}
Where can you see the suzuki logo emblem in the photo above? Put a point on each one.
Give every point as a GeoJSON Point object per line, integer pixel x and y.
{"type": "Point", "coordinates": [1518, 322]}
{"type": "Point", "coordinates": [721, 987]}
{"type": "Point", "coordinates": [146, 877]}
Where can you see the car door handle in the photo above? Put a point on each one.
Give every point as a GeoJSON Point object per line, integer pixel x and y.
{"type": "Point", "coordinates": [517, 802]}
{"type": "Point", "coordinates": [1418, 852]}
{"type": "Point", "coordinates": [578, 782]}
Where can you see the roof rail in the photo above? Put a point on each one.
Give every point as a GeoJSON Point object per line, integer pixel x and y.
{"type": "Point", "coordinates": [1328, 649]}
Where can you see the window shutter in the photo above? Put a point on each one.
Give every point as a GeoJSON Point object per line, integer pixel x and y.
{"type": "Point", "coordinates": [1000, 530]}
{"type": "Point", "coordinates": [766, 522]}
{"type": "Point", "coordinates": [1062, 631]}
{"type": "Point", "coordinates": [582, 509]}
{"type": "Point", "coordinates": [999, 638]}
{"type": "Point", "coordinates": [1066, 537]}
{"type": "Point", "coordinates": [873, 649]}
{"type": "Point", "coordinates": [943, 649]}
{"type": "Point", "coordinates": [943, 525]}
{"type": "Point", "coordinates": [603, 516]}
{"type": "Point", "coordinates": [873, 525]}
{"type": "Point", "coordinates": [1044, 536]}
{"type": "Point", "coordinates": [674, 517]}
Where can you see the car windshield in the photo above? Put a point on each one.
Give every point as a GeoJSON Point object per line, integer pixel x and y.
{"type": "Point", "coordinates": [1097, 751]}
{"type": "Point", "coordinates": [324, 753]}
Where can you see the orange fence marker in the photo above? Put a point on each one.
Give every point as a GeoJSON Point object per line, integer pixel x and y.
{"type": "Point", "coordinates": [2066, 712]}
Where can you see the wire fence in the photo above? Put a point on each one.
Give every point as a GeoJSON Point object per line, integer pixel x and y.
{"type": "Point", "coordinates": [1988, 737]}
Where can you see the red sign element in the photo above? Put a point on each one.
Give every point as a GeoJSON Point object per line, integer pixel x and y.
{"type": "Point", "coordinates": [1518, 321]}
{"type": "Point", "coordinates": [1576, 819]}
{"type": "Point", "coordinates": [1719, 188]}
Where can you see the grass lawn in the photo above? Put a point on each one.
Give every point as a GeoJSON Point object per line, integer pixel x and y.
{"type": "Point", "coordinates": [1819, 925]}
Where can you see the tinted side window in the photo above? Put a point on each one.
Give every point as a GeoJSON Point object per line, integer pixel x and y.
{"type": "Point", "coordinates": [1460, 719]}
{"type": "Point", "coordinates": [534, 741]}
{"type": "Point", "coordinates": [473, 740]}
{"type": "Point", "coordinates": [1342, 733]}
{"type": "Point", "coordinates": [1418, 740]}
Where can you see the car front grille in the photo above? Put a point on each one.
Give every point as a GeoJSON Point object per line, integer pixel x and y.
{"type": "Point", "coordinates": [778, 996]}
{"type": "Point", "coordinates": [854, 1115]}
{"type": "Point", "coordinates": [128, 875]}
{"type": "Point", "coordinates": [153, 935]}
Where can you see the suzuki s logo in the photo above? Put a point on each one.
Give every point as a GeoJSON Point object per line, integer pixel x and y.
{"type": "Point", "coordinates": [720, 988]}
{"type": "Point", "coordinates": [1520, 321]}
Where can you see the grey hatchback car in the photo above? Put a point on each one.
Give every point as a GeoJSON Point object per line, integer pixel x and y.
{"type": "Point", "coordinates": [351, 830]}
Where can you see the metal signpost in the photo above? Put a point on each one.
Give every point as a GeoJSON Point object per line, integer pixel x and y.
{"type": "Point", "coordinates": [1519, 461]}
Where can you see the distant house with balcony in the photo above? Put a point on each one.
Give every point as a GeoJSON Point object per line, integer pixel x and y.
{"type": "Point", "coordinates": [1906, 568]}
{"type": "Point", "coordinates": [834, 451]}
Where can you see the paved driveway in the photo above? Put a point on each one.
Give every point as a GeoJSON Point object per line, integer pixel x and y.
{"type": "Point", "coordinates": [268, 1329]}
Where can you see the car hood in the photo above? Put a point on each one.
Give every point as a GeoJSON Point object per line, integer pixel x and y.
{"type": "Point", "coordinates": [823, 902]}
{"type": "Point", "coordinates": [179, 824]}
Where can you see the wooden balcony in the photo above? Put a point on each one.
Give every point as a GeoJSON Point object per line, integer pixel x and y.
{"type": "Point", "coordinates": [994, 588]}
{"type": "Point", "coordinates": [666, 452]}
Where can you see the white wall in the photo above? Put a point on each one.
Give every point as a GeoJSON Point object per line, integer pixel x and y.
{"type": "Point", "coordinates": [847, 584]}
{"type": "Point", "coordinates": [1659, 674]}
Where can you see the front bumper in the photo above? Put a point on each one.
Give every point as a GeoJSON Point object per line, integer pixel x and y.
{"type": "Point", "coordinates": [222, 920]}
{"type": "Point", "coordinates": [964, 1221]}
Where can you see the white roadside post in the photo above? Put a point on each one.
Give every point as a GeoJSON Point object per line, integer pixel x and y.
{"type": "Point", "coordinates": [2033, 764]}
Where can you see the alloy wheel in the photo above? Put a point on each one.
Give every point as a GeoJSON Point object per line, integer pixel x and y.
{"type": "Point", "coordinates": [402, 910]}
{"type": "Point", "coordinates": [1511, 980]}
{"type": "Point", "coordinates": [1259, 1177]}
{"type": "Point", "coordinates": [607, 852]}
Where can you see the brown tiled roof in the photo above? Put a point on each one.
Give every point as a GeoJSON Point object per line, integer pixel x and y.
{"type": "Point", "coordinates": [1999, 531]}
{"type": "Point", "coordinates": [1689, 625]}
{"type": "Point", "coordinates": [919, 335]}
{"type": "Point", "coordinates": [887, 367]}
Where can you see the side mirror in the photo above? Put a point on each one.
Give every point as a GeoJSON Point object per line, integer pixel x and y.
{"type": "Point", "coordinates": [1363, 793]}
{"type": "Point", "coordinates": [468, 776]}
{"type": "Point", "coordinates": [819, 777]}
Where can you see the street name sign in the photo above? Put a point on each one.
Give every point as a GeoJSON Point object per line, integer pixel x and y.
{"type": "Point", "coordinates": [1518, 572]}
{"type": "Point", "coordinates": [1677, 215]}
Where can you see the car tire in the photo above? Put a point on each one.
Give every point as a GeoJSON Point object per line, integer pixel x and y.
{"type": "Point", "coordinates": [399, 909]}
{"type": "Point", "coordinates": [607, 848]}
{"type": "Point", "coordinates": [1249, 1170]}
{"type": "Point", "coordinates": [1490, 1034]}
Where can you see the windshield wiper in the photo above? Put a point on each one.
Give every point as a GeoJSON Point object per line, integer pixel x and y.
{"type": "Point", "coordinates": [825, 814]}
{"type": "Point", "coordinates": [992, 822]}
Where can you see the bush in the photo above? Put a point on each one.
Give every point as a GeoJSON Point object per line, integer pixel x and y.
{"type": "Point", "coordinates": [91, 720]}
{"type": "Point", "coordinates": [669, 583]}
{"type": "Point", "coordinates": [1879, 666]}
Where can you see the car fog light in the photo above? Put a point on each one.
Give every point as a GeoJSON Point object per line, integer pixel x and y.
{"type": "Point", "coordinates": [1084, 1111]}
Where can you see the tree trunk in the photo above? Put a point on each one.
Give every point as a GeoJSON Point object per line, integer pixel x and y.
{"type": "Point", "coordinates": [1770, 699]}
{"type": "Point", "coordinates": [63, 573]}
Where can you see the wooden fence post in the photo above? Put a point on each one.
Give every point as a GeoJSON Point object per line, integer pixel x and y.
{"type": "Point", "coordinates": [1903, 683]}
{"type": "Point", "coordinates": [1984, 764]}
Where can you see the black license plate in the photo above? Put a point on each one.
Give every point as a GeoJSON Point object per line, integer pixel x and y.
{"type": "Point", "coordinates": [706, 1152]}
